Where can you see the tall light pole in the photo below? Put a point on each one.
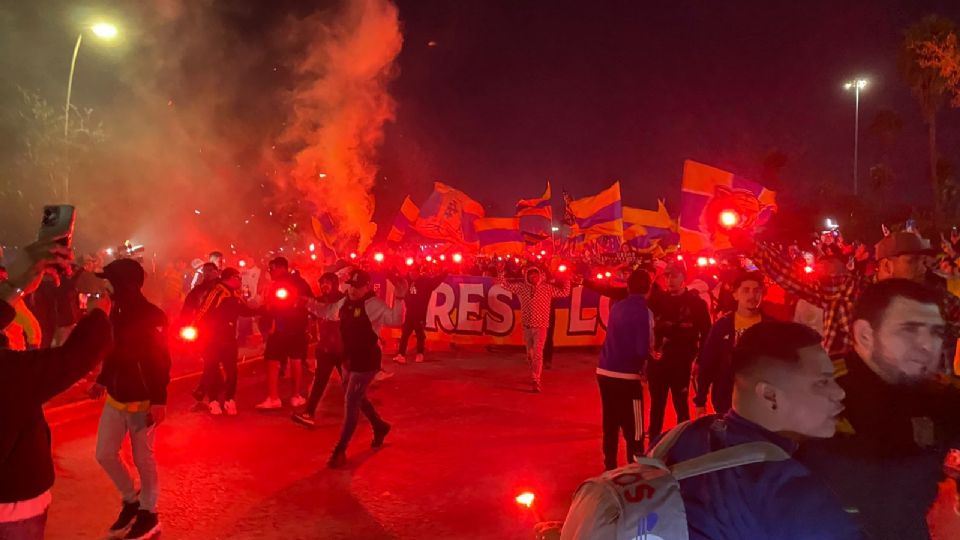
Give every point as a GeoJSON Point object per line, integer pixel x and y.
{"type": "Point", "coordinates": [104, 31]}
{"type": "Point", "coordinates": [856, 85]}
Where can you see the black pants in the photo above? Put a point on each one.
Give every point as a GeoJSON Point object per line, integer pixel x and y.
{"type": "Point", "coordinates": [622, 406]}
{"type": "Point", "coordinates": [215, 355]}
{"type": "Point", "coordinates": [669, 374]}
{"type": "Point", "coordinates": [325, 365]}
{"type": "Point", "coordinates": [410, 325]}
{"type": "Point", "coordinates": [548, 344]}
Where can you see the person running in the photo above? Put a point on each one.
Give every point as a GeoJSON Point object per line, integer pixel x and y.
{"type": "Point", "coordinates": [134, 378]}
{"type": "Point", "coordinates": [714, 367]}
{"type": "Point", "coordinates": [217, 329]}
{"type": "Point", "coordinates": [536, 298]}
{"type": "Point", "coordinates": [285, 308]}
{"type": "Point", "coordinates": [682, 324]}
{"type": "Point", "coordinates": [623, 358]}
{"type": "Point", "coordinates": [362, 315]}
{"type": "Point", "coordinates": [328, 351]}
{"type": "Point", "coordinates": [415, 319]}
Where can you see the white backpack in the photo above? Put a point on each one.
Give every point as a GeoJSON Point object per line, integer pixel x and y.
{"type": "Point", "coordinates": [642, 501]}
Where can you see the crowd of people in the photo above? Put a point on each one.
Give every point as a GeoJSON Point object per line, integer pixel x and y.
{"type": "Point", "coordinates": [838, 354]}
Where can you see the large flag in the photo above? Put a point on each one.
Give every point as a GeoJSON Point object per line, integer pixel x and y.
{"type": "Point", "coordinates": [600, 215]}
{"type": "Point", "coordinates": [714, 201]}
{"type": "Point", "coordinates": [536, 217]}
{"type": "Point", "coordinates": [644, 229]}
{"type": "Point", "coordinates": [449, 214]}
{"type": "Point", "coordinates": [325, 230]}
{"type": "Point", "coordinates": [404, 221]}
{"type": "Point", "coordinates": [499, 235]}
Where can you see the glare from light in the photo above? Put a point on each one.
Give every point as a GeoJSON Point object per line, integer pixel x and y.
{"type": "Point", "coordinates": [104, 30]}
{"type": "Point", "coordinates": [562, 268]}
{"type": "Point", "coordinates": [188, 333]}
{"type": "Point", "coordinates": [243, 264]}
{"type": "Point", "coordinates": [312, 247]}
{"type": "Point", "coordinates": [526, 499]}
{"type": "Point", "coordinates": [729, 218]}
{"type": "Point", "coordinates": [701, 261]}
{"type": "Point", "coordinates": [378, 257]}
{"type": "Point", "coordinates": [859, 84]}
{"type": "Point", "coordinates": [808, 269]}
{"type": "Point", "coordinates": [282, 294]}
{"type": "Point", "coordinates": [457, 258]}
{"type": "Point", "coordinates": [313, 256]}
{"type": "Point", "coordinates": [429, 258]}
{"type": "Point", "coordinates": [353, 255]}
{"type": "Point", "coordinates": [409, 261]}
{"type": "Point", "coordinates": [555, 229]}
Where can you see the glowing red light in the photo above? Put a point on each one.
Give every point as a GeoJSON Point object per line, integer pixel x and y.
{"type": "Point", "coordinates": [409, 261]}
{"type": "Point", "coordinates": [713, 261]}
{"type": "Point", "coordinates": [808, 269]}
{"type": "Point", "coordinates": [429, 258]}
{"type": "Point", "coordinates": [516, 260]}
{"type": "Point", "coordinates": [457, 258]}
{"type": "Point", "coordinates": [679, 257]}
{"type": "Point", "coordinates": [701, 261]}
{"type": "Point", "coordinates": [607, 274]}
{"type": "Point", "coordinates": [378, 257]}
{"type": "Point", "coordinates": [539, 257]}
{"type": "Point", "coordinates": [243, 264]}
{"type": "Point", "coordinates": [543, 252]}
{"type": "Point", "coordinates": [526, 499]}
{"type": "Point", "coordinates": [313, 256]}
{"type": "Point", "coordinates": [188, 333]}
{"type": "Point", "coordinates": [282, 293]}
{"type": "Point", "coordinates": [312, 247]}
{"type": "Point", "coordinates": [599, 275]}
{"type": "Point", "coordinates": [353, 255]}
{"type": "Point", "coordinates": [562, 268]}
{"type": "Point", "coordinates": [443, 257]}
{"type": "Point", "coordinates": [729, 219]}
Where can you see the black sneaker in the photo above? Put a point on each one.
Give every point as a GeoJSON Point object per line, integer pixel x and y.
{"type": "Point", "coordinates": [127, 514]}
{"type": "Point", "coordinates": [337, 460]}
{"type": "Point", "coordinates": [379, 435]}
{"type": "Point", "coordinates": [146, 525]}
{"type": "Point", "coordinates": [306, 419]}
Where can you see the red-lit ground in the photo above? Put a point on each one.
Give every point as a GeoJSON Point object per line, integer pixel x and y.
{"type": "Point", "coordinates": [467, 438]}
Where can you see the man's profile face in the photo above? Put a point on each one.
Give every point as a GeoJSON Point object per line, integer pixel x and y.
{"type": "Point", "coordinates": [808, 396]}
{"type": "Point", "coordinates": [907, 345]}
{"type": "Point", "coordinates": [910, 266]}
{"type": "Point", "coordinates": [749, 295]}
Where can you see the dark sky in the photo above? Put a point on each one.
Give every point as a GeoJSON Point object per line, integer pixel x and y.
{"type": "Point", "coordinates": [583, 93]}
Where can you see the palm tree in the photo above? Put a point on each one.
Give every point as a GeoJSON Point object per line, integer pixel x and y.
{"type": "Point", "coordinates": [928, 85]}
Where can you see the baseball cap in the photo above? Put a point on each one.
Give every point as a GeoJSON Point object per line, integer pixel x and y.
{"type": "Point", "coordinates": [123, 273]}
{"type": "Point", "coordinates": [358, 278]}
{"type": "Point", "coordinates": [228, 273]}
{"type": "Point", "coordinates": [903, 243]}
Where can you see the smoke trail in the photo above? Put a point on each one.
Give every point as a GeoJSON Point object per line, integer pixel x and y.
{"type": "Point", "coordinates": [338, 107]}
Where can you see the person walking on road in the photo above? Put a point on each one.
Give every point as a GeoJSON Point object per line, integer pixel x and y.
{"type": "Point", "coordinates": [415, 319]}
{"type": "Point", "coordinates": [328, 351]}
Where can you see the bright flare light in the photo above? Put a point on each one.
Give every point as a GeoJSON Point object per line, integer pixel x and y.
{"type": "Point", "coordinates": [378, 257]}
{"type": "Point", "coordinates": [353, 255]}
{"type": "Point", "coordinates": [701, 261]}
{"type": "Point", "coordinates": [607, 274]}
{"type": "Point", "coordinates": [282, 293]}
{"type": "Point", "coordinates": [313, 256]}
{"type": "Point", "coordinates": [526, 499]}
{"type": "Point", "coordinates": [599, 275]}
{"type": "Point", "coordinates": [242, 264]}
{"type": "Point", "coordinates": [312, 247]}
{"type": "Point", "coordinates": [104, 30]}
{"type": "Point", "coordinates": [543, 252]}
{"type": "Point", "coordinates": [679, 257]}
{"type": "Point", "coordinates": [409, 261]}
{"type": "Point", "coordinates": [808, 269]}
{"type": "Point", "coordinates": [860, 84]}
{"type": "Point", "coordinates": [457, 258]}
{"type": "Point", "coordinates": [729, 218]}
{"type": "Point", "coordinates": [562, 268]}
{"type": "Point", "coordinates": [429, 258]}
{"type": "Point", "coordinates": [712, 261]}
{"type": "Point", "coordinates": [188, 333]}
{"type": "Point", "coordinates": [443, 257]}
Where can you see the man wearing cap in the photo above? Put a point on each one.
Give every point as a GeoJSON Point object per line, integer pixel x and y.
{"type": "Point", "coordinates": [328, 350]}
{"type": "Point", "coordinates": [536, 298]}
{"type": "Point", "coordinates": [362, 315]}
{"type": "Point", "coordinates": [134, 378]}
{"type": "Point", "coordinates": [899, 255]}
{"type": "Point", "coordinates": [681, 325]}
{"type": "Point", "coordinates": [417, 300]}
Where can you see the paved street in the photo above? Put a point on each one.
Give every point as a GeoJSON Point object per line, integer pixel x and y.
{"type": "Point", "coordinates": [467, 438]}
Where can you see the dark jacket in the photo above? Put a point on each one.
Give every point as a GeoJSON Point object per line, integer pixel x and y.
{"type": "Point", "coordinates": [779, 500]}
{"type": "Point", "coordinates": [218, 313]}
{"type": "Point", "coordinates": [418, 298]}
{"type": "Point", "coordinates": [289, 315]}
{"type": "Point", "coordinates": [714, 368]}
{"type": "Point", "coordinates": [138, 367]}
{"type": "Point", "coordinates": [627, 346]}
{"type": "Point", "coordinates": [27, 380]}
{"type": "Point", "coordinates": [876, 463]}
{"type": "Point", "coordinates": [682, 323]}
{"type": "Point", "coordinates": [194, 298]}
{"type": "Point", "coordinates": [613, 292]}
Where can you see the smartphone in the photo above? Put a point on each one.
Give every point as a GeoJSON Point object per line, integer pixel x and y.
{"type": "Point", "coordinates": [57, 224]}
{"type": "Point", "coordinates": [85, 299]}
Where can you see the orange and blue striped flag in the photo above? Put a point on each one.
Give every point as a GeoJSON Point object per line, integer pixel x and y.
{"type": "Point", "coordinates": [449, 214]}
{"type": "Point", "coordinates": [600, 215]}
{"type": "Point", "coordinates": [644, 229]}
{"type": "Point", "coordinates": [404, 221]}
{"type": "Point", "coordinates": [499, 235]}
{"type": "Point", "coordinates": [536, 217]}
{"type": "Point", "coordinates": [709, 195]}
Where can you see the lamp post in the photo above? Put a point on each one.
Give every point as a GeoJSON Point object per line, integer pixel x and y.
{"type": "Point", "coordinates": [102, 30]}
{"type": "Point", "coordinates": [856, 85]}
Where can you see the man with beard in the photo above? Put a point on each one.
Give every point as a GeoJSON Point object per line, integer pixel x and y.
{"type": "Point", "coordinates": [887, 458]}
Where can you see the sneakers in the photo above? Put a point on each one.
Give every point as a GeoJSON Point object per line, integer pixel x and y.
{"type": "Point", "coordinates": [383, 375]}
{"type": "Point", "coordinates": [269, 405]}
{"type": "Point", "coordinates": [146, 525]}
{"type": "Point", "coordinates": [337, 460]}
{"type": "Point", "coordinates": [297, 401]}
{"type": "Point", "coordinates": [230, 407]}
{"type": "Point", "coordinates": [536, 388]}
{"type": "Point", "coordinates": [305, 419]}
{"type": "Point", "coordinates": [400, 359]}
{"type": "Point", "coordinates": [127, 514]}
{"type": "Point", "coordinates": [419, 359]}
{"type": "Point", "coordinates": [379, 435]}
{"type": "Point", "coordinates": [215, 408]}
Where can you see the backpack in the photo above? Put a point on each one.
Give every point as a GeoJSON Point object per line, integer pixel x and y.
{"type": "Point", "coordinates": [642, 500]}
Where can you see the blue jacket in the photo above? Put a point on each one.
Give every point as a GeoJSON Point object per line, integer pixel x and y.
{"type": "Point", "coordinates": [775, 500]}
{"type": "Point", "coordinates": [627, 345]}
{"type": "Point", "coordinates": [714, 367]}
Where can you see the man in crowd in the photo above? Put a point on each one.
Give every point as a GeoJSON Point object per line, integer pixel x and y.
{"type": "Point", "coordinates": [134, 378]}
{"type": "Point", "coordinates": [362, 315]}
{"type": "Point", "coordinates": [23, 332]}
{"type": "Point", "coordinates": [887, 458]}
{"type": "Point", "coordinates": [209, 276]}
{"type": "Point", "coordinates": [714, 367]}
{"type": "Point", "coordinates": [536, 298]}
{"type": "Point", "coordinates": [29, 379]}
{"type": "Point", "coordinates": [682, 323]}
{"type": "Point", "coordinates": [328, 351]}
{"type": "Point", "coordinates": [626, 350]}
{"type": "Point", "coordinates": [217, 329]}
{"type": "Point", "coordinates": [422, 286]}
{"type": "Point", "coordinates": [285, 308]}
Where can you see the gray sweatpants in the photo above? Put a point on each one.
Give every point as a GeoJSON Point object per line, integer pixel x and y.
{"type": "Point", "coordinates": [534, 338]}
{"type": "Point", "coordinates": [114, 426]}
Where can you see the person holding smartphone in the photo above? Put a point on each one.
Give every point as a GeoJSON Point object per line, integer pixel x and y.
{"type": "Point", "coordinates": [134, 378]}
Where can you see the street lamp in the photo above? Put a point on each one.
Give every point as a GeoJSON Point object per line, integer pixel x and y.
{"type": "Point", "coordinates": [102, 30]}
{"type": "Point", "coordinates": [856, 85]}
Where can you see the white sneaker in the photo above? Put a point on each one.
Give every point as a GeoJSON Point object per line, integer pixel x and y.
{"type": "Point", "coordinates": [297, 401]}
{"type": "Point", "coordinates": [400, 359]}
{"type": "Point", "coordinates": [382, 375]}
{"type": "Point", "coordinates": [230, 407]}
{"type": "Point", "coordinates": [215, 408]}
{"type": "Point", "coordinates": [269, 405]}
{"type": "Point", "coordinates": [419, 359]}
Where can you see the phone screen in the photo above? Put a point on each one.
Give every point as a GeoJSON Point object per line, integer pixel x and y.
{"type": "Point", "coordinates": [57, 223]}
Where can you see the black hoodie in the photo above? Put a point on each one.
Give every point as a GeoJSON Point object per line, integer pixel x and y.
{"type": "Point", "coordinates": [138, 367]}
